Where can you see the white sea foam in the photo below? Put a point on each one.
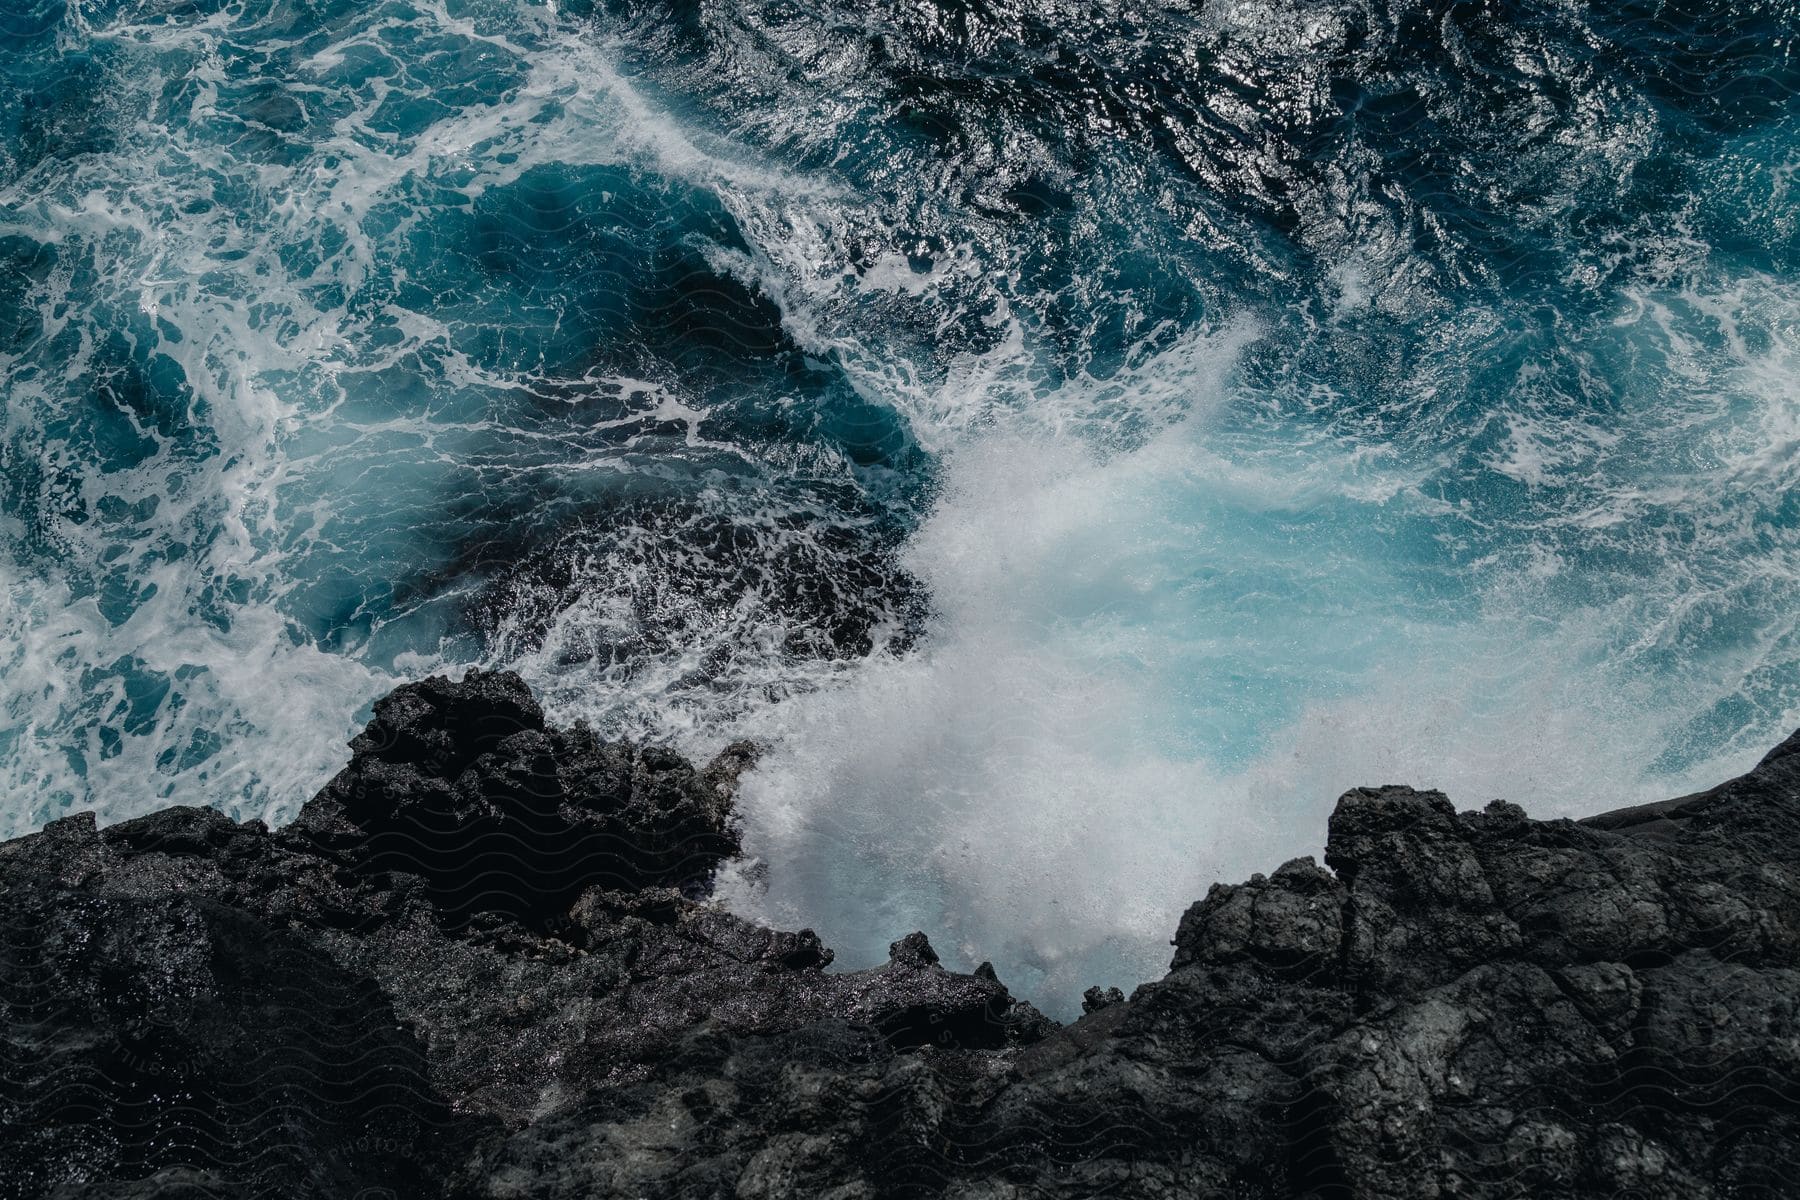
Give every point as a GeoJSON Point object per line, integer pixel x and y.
{"type": "Point", "coordinates": [1133, 688]}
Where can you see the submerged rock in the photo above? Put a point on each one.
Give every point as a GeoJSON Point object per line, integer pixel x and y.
{"type": "Point", "coordinates": [481, 964]}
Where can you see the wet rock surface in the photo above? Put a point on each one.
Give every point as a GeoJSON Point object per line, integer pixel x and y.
{"type": "Point", "coordinates": [482, 964]}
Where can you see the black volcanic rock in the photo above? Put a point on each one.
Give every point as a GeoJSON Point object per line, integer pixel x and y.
{"type": "Point", "coordinates": [463, 785]}
{"type": "Point", "coordinates": [155, 1035]}
{"type": "Point", "coordinates": [481, 964]}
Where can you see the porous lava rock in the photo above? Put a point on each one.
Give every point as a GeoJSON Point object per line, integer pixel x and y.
{"type": "Point", "coordinates": [482, 963]}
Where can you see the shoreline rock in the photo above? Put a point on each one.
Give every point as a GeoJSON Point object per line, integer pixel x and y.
{"type": "Point", "coordinates": [481, 964]}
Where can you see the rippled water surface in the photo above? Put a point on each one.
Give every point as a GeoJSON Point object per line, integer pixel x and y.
{"type": "Point", "coordinates": [1078, 439]}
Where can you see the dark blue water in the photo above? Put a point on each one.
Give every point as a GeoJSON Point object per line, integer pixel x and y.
{"type": "Point", "coordinates": [1079, 439]}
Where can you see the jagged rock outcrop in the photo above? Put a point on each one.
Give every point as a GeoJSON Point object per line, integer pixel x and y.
{"type": "Point", "coordinates": [481, 964]}
{"type": "Point", "coordinates": [466, 787]}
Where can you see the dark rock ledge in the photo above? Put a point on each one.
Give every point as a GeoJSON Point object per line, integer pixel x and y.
{"type": "Point", "coordinates": [481, 964]}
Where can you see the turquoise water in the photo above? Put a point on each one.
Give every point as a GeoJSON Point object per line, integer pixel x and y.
{"type": "Point", "coordinates": [1079, 440]}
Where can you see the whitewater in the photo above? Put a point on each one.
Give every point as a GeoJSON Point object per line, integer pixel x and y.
{"type": "Point", "coordinates": [1076, 441]}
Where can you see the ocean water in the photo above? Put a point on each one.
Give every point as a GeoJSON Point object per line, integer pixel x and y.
{"type": "Point", "coordinates": [1078, 440]}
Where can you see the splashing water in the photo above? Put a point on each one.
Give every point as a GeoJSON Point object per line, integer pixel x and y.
{"type": "Point", "coordinates": [1078, 441]}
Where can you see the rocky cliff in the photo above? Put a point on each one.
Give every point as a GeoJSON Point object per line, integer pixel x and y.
{"type": "Point", "coordinates": [481, 963]}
